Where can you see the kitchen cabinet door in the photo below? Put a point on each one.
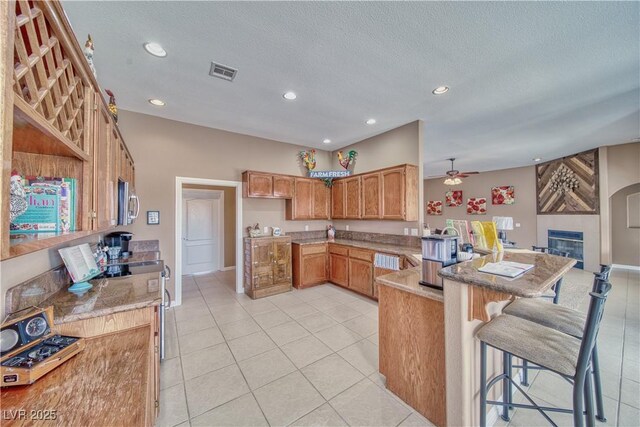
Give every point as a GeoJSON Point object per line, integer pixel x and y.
{"type": "Point", "coordinates": [104, 171]}
{"type": "Point", "coordinates": [338, 200]}
{"type": "Point", "coordinates": [393, 193]}
{"type": "Point", "coordinates": [283, 186]}
{"type": "Point", "coordinates": [321, 200]}
{"type": "Point", "coordinates": [352, 198]}
{"type": "Point", "coordinates": [262, 258]}
{"type": "Point", "coordinates": [303, 199]}
{"type": "Point", "coordinates": [339, 269]}
{"type": "Point", "coordinates": [361, 276]}
{"type": "Point", "coordinates": [259, 184]}
{"type": "Point", "coordinates": [314, 268]}
{"type": "Point", "coordinates": [281, 260]}
{"type": "Point", "coordinates": [371, 196]}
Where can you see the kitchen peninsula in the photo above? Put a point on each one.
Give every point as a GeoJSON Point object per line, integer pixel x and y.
{"type": "Point", "coordinates": [443, 326]}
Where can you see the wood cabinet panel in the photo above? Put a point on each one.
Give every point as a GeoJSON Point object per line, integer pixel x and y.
{"type": "Point", "coordinates": [303, 199]}
{"type": "Point", "coordinates": [339, 269]}
{"type": "Point", "coordinates": [371, 196]}
{"type": "Point", "coordinates": [283, 186]}
{"type": "Point", "coordinates": [393, 193]}
{"type": "Point", "coordinates": [361, 276]}
{"type": "Point", "coordinates": [105, 166]}
{"type": "Point", "coordinates": [362, 254]}
{"type": "Point", "coordinates": [257, 184]}
{"type": "Point", "coordinates": [321, 200]}
{"type": "Point", "coordinates": [267, 266]}
{"type": "Point", "coordinates": [338, 202]}
{"type": "Point", "coordinates": [338, 249]}
{"type": "Point", "coordinates": [352, 198]}
{"type": "Point", "coordinates": [314, 268]}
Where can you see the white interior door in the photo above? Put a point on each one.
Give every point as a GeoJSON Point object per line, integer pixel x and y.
{"type": "Point", "coordinates": [200, 235]}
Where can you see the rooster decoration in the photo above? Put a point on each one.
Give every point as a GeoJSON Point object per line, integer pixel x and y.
{"type": "Point", "coordinates": [308, 159]}
{"type": "Point", "coordinates": [88, 53]}
{"type": "Point", "coordinates": [113, 108]}
{"type": "Point", "coordinates": [345, 161]}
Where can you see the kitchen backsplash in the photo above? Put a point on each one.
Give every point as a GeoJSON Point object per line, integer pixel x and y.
{"type": "Point", "coordinates": [392, 239]}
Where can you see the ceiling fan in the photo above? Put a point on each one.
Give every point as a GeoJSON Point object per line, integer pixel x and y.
{"type": "Point", "coordinates": [453, 176]}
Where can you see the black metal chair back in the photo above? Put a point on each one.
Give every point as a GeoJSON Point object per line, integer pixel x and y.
{"type": "Point", "coordinates": [592, 325]}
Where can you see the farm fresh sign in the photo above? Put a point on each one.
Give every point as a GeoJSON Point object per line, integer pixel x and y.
{"type": "Point", "coordinates": [329, 174]}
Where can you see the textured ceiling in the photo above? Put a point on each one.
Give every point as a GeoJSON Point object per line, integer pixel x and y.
{"type": "Point", "coordinates": [534, 79]}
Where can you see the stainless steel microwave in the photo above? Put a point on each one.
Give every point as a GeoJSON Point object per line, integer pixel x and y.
{"type": "Point", "coordinates": [128, 204]}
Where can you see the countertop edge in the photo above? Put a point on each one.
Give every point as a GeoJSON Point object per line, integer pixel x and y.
{"type": "Point", "coordinates": [105, 312]}
{"type": "Point", "coordinates": [424, 292]}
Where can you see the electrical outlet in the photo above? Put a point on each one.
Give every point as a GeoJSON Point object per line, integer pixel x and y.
{"type": "Point", "coordinates": [406, 231]}
{"type": "Point", "coordinates": [517, 225]}
{"type": "Point", "coordinates": [266, 230]}
{"type": "Point", "coordinates": [306, 228]}
{"type": "Point", "coordinates": [414, 231]}
{"type": "Point", "coordinates": [346, 227]}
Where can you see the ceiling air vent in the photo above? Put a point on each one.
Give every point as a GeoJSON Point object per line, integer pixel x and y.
{"type": "Point", "coordinates": [222, 71]}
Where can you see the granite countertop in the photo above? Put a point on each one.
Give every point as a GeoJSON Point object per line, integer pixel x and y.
{"type": "Point", "coordinates": [407, 280]}
{"type": "Point", "coordinates": [136, 257]}
{"type": "Point", "coordinates": [409, 251]}
{"type": "Point", "coordinates": [532, 284]}
{"type": "Point", "coordinates": [107, 296]}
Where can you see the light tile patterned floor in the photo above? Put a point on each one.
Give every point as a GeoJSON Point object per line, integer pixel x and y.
{"type": "Point", "coordinates": [310, 358]}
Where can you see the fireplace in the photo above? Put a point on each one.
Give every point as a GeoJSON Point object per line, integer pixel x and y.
{"type": "Point", "coordinates": [568, 241]}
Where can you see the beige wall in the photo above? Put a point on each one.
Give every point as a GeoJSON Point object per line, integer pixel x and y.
{"type": "Point", "coordinates": [229, 220]}
{"type": "Point", "coordinates": [395, 147]}
{"type": "Point", "coordinates": [619, 168]}
{"type": "Point", "coordinates": [523, 211]}
{"type": "Point", "coordinates": [625, 242]}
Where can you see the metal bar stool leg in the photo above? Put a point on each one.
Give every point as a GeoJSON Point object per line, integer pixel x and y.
{"type": "Point", "coordinates": [556, 288]}
{"type": "Point", "coordinates": [506, 368]}
{"type": "Point", "coordinates": [578, 402]}
{"type": "Point", "coordinates": [483, 384]}
{"type": "Point", "coordinates": [597, 383]}
{"type": "Point", "coordinates": [525, 373]}
{"type": "Point", "coordinates": [588, 400]}
{"type": "Point", "coordinates": [510, 388]}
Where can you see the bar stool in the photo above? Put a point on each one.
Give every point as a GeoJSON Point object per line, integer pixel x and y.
{"type": "Point", "coordinates": [567, 321]}
{"type": "Point", "coordinates": [548, 348]}
{"type": "Point", "coordinates": [554, 292]}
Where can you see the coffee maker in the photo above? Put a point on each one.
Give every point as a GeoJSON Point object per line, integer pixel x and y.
{"type": "Point", "coordinates": [438, 251]}
{"type": "Point", "coordinates": [120, 239]}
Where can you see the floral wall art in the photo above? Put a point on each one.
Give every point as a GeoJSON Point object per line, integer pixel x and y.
{"type": "Point", "coordinates": [477, 206]}
{"type": "Point", "coordinates": [453, 198]}
{"type": "Point", "coordinates": [503, 195]}
{"type": "Point", "coordinates": [434, 207]}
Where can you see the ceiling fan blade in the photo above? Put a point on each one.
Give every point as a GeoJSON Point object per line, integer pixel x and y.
{"type": "Point", "coordinates": [435, 176]}
{"type": "Point", "coordinates": [461, 175]}
{"type": "Point", "coordinates": [469, 173]}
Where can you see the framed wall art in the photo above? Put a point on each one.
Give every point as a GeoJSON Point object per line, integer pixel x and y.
{"type": "Point", "coordinates": [477, 206]}
{"type": "Point", "coordinates": [434, 207]}
{"type": "Point", "coordinates": [503, 195]}
{"type": "Point", "coordinates": [453, 198]}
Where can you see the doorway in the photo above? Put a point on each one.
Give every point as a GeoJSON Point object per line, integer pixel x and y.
{"type": "Point", "coordinates": [202, 231]}
{"type": "Point", "coordinates": [199, 250]}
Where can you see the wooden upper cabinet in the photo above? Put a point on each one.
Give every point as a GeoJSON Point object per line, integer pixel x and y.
{"type": "Point", "coordinates": [321, 200]}
{"type": "Point", "coordinates": [338, 200]}
{"type": "Point", "coordinates": [393, 194]}
{"type": "Point", "coordinates": [352, 198]}
{"type": "Point", "coordinates": [257, 184]}
{"type": "Point", "coordinates": [104, 170]}
{"type": "Point", "coordinates": [371, 192]}
{"type": "Point", "coordinates": [283, 186]}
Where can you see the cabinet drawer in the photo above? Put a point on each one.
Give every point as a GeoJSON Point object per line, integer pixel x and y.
{"type": "Point", "coordinates": [361, 254]}
{"type": "Point", "coordinates": [337, 249]}
{"type": "Point", "coordinates": [314, 249]}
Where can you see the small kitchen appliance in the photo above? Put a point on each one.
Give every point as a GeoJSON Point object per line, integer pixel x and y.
{"type": "Point", "coordinates": [119, 239]}
{"type": "Point", "coordinates": [30, 349]}
{"type": "Point", "coordinates": [438, 251]}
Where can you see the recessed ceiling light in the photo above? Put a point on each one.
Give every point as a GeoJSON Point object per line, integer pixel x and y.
{"type": "Point", "coordinates": [157, 102]}
{"type": "Point", "coordinates": [155, 49]}
{"type": "Point", "coordinates": [327, 141]}
{"type": "Point", "coordinates": [290, 96]}
{"type": "Point", "coordinates": [440, 90]}
{"type": "Point", "coordinates": [537, 159]}
{"type": "Point", "coordinates": [371, 122]}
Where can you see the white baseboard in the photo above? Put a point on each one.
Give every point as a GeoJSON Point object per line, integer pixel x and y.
{"type": "Point", "coordinates": [233, 267]}
{"type": "Point", "coordinates": [625, 267]}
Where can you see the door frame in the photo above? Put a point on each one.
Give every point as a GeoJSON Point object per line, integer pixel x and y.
{"type": "Point", "coordinates": [220, 225]}
{"type": "Point", "coordinates": [180, 180]}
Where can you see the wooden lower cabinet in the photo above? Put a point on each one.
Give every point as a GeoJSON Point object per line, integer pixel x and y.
{"type": "Point", "coordinates": [339, 269]}
{"type": "Point", "coordinates": [310, 265]}
{"type": "Point", "coordinates": [267, 266]}
{"type": "Point", "coordinates": [361, 276]}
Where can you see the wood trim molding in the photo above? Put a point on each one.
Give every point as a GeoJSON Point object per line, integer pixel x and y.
{"type": "Point", "coordinates": [479, 298]}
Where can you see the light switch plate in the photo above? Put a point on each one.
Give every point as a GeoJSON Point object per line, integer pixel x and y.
{"type": "Point", "coordinates": [306, 228]}
{"type": "Point", "coordinates": [406, 231]}
{"type": "Point", "coordinates": [266, 231]}
{"type": "Point", "coordinates": [346, 227]}
{"type": "Point", "coordinates": [153, 285]}
{"type": "Point", "coordinates": [517, 225]}
{"type": "Point", "coordinates": [414, 231]}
